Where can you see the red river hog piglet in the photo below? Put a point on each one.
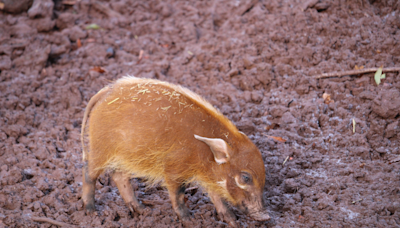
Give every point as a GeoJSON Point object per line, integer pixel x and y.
{"type": "Point", "coordinates": [167, 134]}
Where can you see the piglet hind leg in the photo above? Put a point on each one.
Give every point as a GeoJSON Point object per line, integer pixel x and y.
{"type": "Point", "coordinates": [176, 192]}
{"type": "Point", "coordinates": [121, 179]}
{"type": "Point", "coordinates": [88, 188]}
{"type": "Point", "coordinates": [223, 211]}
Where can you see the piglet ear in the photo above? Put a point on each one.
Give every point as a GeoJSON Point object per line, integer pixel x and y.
{"type": "Point", "coordinates": [219, 148]}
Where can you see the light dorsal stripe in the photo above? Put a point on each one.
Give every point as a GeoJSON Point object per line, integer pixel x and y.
{"type": "Point", "coordinates": [195, 98]}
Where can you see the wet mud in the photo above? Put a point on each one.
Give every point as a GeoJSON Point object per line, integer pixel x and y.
{"type": "Point", "coordinates": [335, 164]}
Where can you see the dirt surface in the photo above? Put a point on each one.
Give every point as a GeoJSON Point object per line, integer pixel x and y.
{"type": "Point", "coordinates": [253, 60]}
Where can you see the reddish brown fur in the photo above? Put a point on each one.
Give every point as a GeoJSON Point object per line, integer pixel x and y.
{"type": "Point", "coordinates": [146, 128]}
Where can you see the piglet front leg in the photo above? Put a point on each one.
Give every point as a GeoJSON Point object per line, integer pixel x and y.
{"type": "Point", "coordinates": [176, 192]}
{"type": "Point", "coordinates": [223, 211]}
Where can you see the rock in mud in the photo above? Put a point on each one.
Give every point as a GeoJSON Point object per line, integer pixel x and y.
{"type": "Point", "coordinates": [41, 8]}
{"type": "Point", "coordinates": [14, 6]}
{"type": "Point", "coordinates": [392, 129]}
{"type": "Point", "coordinates": [387, 103]}
{"type": "Point", "coordinates": [74, 33]}
{"type": "Point", "coordinates": [34, 58]}
{"type": "Point", "coordinates": [246, 126]}
{"type": "Point", "coordinates": [43, 24]}
{"type": "Point", "coordinates": [5, 62]}
{"type": "Point", "coordinates": [66, 20]}
{"type": "Point", "coordinates": [290, 185]}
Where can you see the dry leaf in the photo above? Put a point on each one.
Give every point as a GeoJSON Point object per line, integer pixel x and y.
{"type": "Point", "coordinates": [78, 43]}
{"type": "Point", "coordinates": [69, 2]}
{"type": "Point", "coordinates": [276, 138]}
{"type": "Point", "coordinates": [141, 54]}
{"type": "Point", "coordinates": [98, 69]}
{"type": "Point", "coordinates": [378, 75]}
{"type": "Point", "coordinates": [92, 26]}
{"type": "Point", "coordinates": [1, 5]}
{"type": "Point", "coordinates": [279, 139]}
{"type": "Point", "coordinates": [354, 125]}
{"type": "Point", "coordinates": [327, 98]}
{"type": "Point", "coordinates": [272, 126]}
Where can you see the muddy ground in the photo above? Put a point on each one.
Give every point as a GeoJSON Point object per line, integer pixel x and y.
{"type": "Point", "coordinates": [253, 60]}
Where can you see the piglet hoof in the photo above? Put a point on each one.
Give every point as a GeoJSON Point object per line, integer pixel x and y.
{"type": "Point", "coordinates": [90, 212]}
{"type": "Point", "coordinates": [139, 208]}
{"type": "Point", "coordinates": [230, 218]}
{"type": "Point", "coordinates": [233, 224]}
{"type": "Point", "coordinates": [185, 217]}
{"type": "Point", "coordinates": [184, 214]}
{"type": "Point", "coordinates": [89, 209]}
{"type": "Point", "coordinates": [187, 221]}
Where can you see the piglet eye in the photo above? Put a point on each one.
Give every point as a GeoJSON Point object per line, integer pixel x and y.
{"type": "Point", "coordinates": [246, 178]}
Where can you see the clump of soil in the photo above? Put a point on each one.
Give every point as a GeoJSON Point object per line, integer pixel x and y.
{"type": "Point", "coordinates": [253, 60]}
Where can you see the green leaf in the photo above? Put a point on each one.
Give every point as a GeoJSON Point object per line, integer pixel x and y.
{"type": "Point", "coordinates": [378, 76]}
{"type": "Point", "coordinates": [383, 76]}
{"type": "Point", "coordinates": [93, 26]}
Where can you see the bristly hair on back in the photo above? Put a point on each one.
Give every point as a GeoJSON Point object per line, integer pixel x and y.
{"type": "Point", "coordinates": [195, 98]}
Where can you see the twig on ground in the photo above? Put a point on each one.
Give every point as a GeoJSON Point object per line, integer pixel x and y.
{"type": "Point", "coordinates": [285, 160]}
{"type": "Point", "coordinates": [355, 72]}
{"type": "Point", "coordinates": [51, 221]}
